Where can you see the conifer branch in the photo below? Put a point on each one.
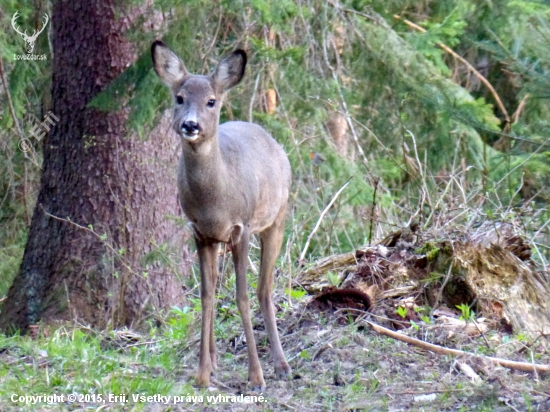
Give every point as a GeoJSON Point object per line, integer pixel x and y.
{"type": "Point", "coordinates": [470, 67]}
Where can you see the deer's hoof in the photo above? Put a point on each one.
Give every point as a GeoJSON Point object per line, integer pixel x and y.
{"type": "Point", "coordinates": [202, 380]}
{"type": "Point", "coordinates": [282, 371]}
{"type": "Point", "coordinates": [256, 383]}
{"type": "Point", "coordinates": [257, 388]}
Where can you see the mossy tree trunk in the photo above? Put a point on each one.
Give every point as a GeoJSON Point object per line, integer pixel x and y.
{"type": "Point", "coordinates": [104, 195]}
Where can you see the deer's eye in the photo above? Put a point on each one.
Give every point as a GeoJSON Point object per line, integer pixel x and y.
{"type": "Point", "coordinates": [179, 99]}
{"type": "Point", "coordinates": [211, 103]}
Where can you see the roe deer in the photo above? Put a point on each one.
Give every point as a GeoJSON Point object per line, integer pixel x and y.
{"type": "Point", "coordinates": [233, 181]}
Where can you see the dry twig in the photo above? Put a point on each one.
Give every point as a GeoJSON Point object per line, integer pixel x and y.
{"type": "Point", "coordinates": [522, 366]}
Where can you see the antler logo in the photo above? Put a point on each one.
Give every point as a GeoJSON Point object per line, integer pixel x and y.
{"type": "Point", "coordinates": [30, 40]}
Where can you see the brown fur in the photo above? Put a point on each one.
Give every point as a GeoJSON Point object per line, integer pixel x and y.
{"type": "Point", "coordinates": [233, 182]}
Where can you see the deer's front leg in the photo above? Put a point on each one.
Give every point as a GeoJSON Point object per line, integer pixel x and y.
{"type": "Point", "coordinates": [208, 255]}
{"type": "Point", "coordinates": [240, 260]}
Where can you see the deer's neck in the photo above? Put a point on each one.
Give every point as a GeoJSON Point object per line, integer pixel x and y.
{"type": "Point", "coordinates": [204, 168]}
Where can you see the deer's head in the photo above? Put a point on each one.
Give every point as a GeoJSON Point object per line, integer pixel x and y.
{"type": "Point", "coordinates": [30, 40]}
{"type": "Point", "coordinates": [198, 99]}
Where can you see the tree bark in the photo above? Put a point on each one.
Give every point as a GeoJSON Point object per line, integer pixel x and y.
{"type": "Point", "coordinates": [104, 196]}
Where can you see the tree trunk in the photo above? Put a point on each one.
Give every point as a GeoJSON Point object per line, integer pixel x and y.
{"type": "Point", "coordinates": [104, 196]}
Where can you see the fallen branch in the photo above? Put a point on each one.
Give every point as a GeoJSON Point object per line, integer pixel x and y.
{"type": "Point", "coordinates": [522, 366]}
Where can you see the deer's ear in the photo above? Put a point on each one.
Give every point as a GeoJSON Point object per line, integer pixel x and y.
{"type": "Point", "coordinates": [231, 70]}
{"type": "Point", "coordinates": [168, 66]}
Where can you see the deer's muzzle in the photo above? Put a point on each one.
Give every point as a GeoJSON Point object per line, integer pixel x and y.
{"type": "Point", "coordinates": [190, 129]}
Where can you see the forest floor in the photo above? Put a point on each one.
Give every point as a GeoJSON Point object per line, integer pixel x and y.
{"type": "Point", "coordinates": [345, 366]}
{"type": "Point", "coordinates": [338, 364]}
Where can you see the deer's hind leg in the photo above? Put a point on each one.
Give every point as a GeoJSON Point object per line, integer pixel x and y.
{"type": "Point", "coordinates": [271, 241]}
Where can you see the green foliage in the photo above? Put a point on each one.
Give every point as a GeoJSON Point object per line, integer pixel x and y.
{"type": "Point", "coordinates": [430, 249]}
{"type": "Point", "coordinates": [401, 311]}
{"type": "Point", "coordinates": [10, 259]}
{"type": "Point", "coordinates": [333, 278]}
{"type": "Point", "coordinates": [297, 294]}
{"type": "Point", "coordinates": [80, 362]}
{"type": "Point", "coordinates": [449, 31]}
{"type": "Point", "coordinates": [178, 324]}
{"type": "Point", "coordinates": [468, 315]}
{"type": "Point", "coordinates": [28, 85]}
{"type": "Point", "coordinates": [146, 99]}
{"type": "Point", "coordinates": [279, 13]}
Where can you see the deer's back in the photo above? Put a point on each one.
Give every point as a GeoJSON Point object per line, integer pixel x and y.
{"type": "Point", "coordinates": [250, 152]}
{"type": "Point", "coordinates": [258, 170]}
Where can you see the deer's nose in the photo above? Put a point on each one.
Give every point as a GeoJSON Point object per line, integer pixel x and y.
{"type": "Point", "coordinates": [190, 127]}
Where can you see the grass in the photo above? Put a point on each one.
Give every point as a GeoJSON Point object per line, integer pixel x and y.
{"type": "Point", "coordinates": [79, 361]}
{"type": "Point", "coordinates": [355, 370]}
